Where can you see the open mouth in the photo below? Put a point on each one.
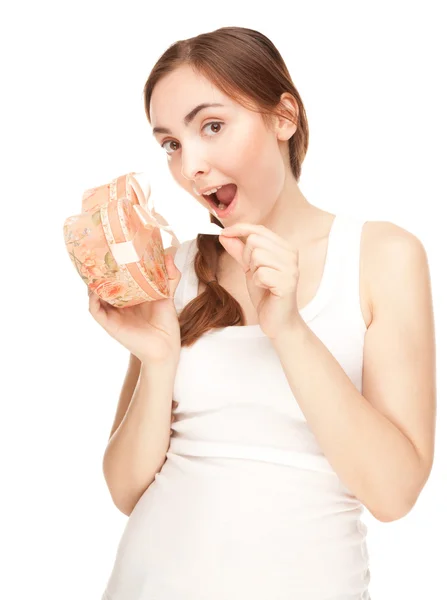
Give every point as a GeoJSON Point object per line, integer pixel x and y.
{"type": "Point", "coordinates": [222, 209]}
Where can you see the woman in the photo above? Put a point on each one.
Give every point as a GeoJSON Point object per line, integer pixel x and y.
{"type": "Point", "coordinates": [298, 347]}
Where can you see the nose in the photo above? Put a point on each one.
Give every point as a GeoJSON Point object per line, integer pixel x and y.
{"type": "Point", "coordinates": [194, 164]}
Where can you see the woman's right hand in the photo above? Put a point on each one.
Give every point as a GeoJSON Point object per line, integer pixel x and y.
{"type": "Point", "coordinates": [149, 330]}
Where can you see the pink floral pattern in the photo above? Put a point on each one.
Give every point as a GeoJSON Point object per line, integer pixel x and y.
{"type": "Point", "coordinates": [88, 238]}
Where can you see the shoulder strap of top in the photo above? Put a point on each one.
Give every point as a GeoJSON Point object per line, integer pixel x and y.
{"type": "Point", "coordinates": [347, 289]}
{"type": "Point", "coordinates": [339, 271]}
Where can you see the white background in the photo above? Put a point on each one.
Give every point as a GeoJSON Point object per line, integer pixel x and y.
{"type": "Point", "coordinates": [372, 79]}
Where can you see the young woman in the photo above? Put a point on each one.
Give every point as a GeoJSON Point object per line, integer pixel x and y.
{"type": "Point", "coordinates": [296, 356]}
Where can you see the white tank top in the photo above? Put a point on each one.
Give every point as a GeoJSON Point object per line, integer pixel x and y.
{"type": "Point", "coordinates": [246, 504]}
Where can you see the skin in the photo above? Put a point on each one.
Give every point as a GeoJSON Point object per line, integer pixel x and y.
{"type": "Point", "coordinates": [246, 152]}
{"type": "Point", "coordinates": [398, 401]}
{"type": "Point", "coordinates": [238, 152]}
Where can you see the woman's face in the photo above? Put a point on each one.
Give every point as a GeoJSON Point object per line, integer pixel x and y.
{"type": "Point", "coordinates": [219, 145]}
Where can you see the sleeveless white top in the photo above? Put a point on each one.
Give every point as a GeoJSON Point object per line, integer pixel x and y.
{"type": "Point", "coordinates": [246, 505]}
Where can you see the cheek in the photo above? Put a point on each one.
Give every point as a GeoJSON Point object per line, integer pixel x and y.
{"type": "Point", "coordinates": [261, 165]}
{"type": "Point", "coordinates": [239, 156]}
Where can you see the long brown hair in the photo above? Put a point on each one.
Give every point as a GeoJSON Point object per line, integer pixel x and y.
{"type": "Point", "coordinates": [246, 66]}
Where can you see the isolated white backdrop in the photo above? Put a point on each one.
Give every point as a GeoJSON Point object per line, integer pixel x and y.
{"type": "Point", "coordinates": [372, 77]}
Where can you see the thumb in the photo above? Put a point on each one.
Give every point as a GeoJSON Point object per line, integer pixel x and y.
{"type": "Point", "coordinates": [234, 246]}
{"type": "Point", "coordinates": [174, 274]}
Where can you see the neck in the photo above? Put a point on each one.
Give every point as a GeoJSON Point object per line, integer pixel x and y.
{"type": "Point", "coordinates": [294, 218]}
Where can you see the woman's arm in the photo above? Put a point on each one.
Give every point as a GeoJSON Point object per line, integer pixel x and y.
{"type": "Point", "coordinates": [137, 449]}
{"type": "Point", "coordinates": [381, 442]}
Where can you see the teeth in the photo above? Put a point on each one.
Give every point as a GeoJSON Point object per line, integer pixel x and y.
{"type": "Point", "coordinates": [221, 206]}
{"type": "Point", "coordinates": [213, 191]}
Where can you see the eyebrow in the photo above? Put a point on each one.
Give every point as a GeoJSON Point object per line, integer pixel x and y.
{"type": "Point", "coordinates": [188, 119]}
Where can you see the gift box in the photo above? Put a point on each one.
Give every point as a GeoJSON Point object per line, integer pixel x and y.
{"type": "Point", "coordinates": [115, 243]}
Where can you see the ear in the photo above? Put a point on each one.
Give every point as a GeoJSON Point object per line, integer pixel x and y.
{"type": "Point", "coordinates": [289, 111]}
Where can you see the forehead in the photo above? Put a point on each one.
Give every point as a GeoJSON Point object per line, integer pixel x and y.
{"type": "Point", "coordinates": [179, 92]}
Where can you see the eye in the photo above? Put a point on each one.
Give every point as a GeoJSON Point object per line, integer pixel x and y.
{"type": "Point", "coordinates": [207, 125]}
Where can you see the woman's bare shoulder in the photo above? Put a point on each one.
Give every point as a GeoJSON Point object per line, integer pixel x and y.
{"type": "Point", "coordinates": [387, 248]}
{"type": "Point", "coordinates": [384, 239]}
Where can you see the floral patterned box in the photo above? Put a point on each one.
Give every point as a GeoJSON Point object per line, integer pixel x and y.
{"type": "Point", "coordinates": [115, 243]}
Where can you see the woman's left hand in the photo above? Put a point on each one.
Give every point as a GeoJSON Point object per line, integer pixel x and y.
{"type": "Point", "coordinates": [271, 267]}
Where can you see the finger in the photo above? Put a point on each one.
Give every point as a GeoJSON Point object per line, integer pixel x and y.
{"type": "Point", "coordinates": [95, 304]}
{"type": "Point", "coordinates": [245, 229]}
{"type": "Point", "coordinates": [174, 274]}
{"type": "Point", "coordinates": [279, 284]}
{"type": "Point", "coordinates": [268, 253]}
{"type": "Point", "coordinates": [93, 300]}
{"type": "Point", "coordinates": [108, 308]}
{"type": "Point", "coordinates": [260, 257]}
{"type": "Point", "coordinates": [234, 247]}
{"type": "Point", "coordinates": [257, 240]}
